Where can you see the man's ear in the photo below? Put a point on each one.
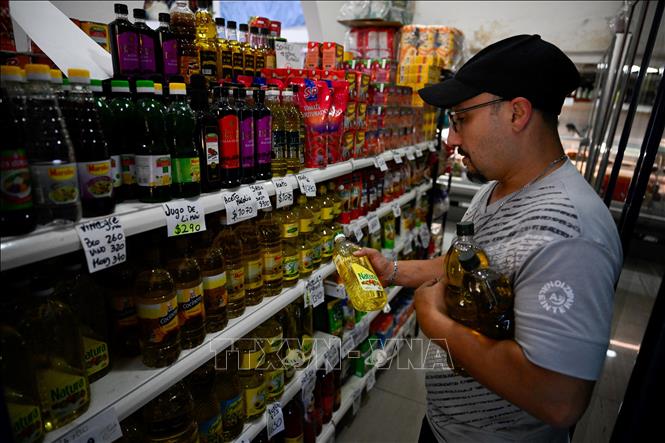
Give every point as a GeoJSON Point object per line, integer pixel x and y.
{"type": "Point", "coordinates": [521, 113]}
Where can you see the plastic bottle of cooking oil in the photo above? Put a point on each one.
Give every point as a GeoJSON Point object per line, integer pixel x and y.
{"type": "Point", "coordinates": [229, 394]}
{"type": "Point", "coordinates": [157, 309]}
{"type": "Point", "coordinates": [252, 380]}
{"type": "Point", "coordinates": [170, 417]}
{"type": "Point", "coordinates": [305, 316]}
{"type": "Point", "coordinates": [327, 230]}
{"type": "Point", "coordinates": [213, 273]}
{"type": "Point", "coordinates": [290, 352]}
{"type": "Point", "coordinates": [314, 229]}
{"type": "Point", "coordinates": [305, 240]}
{"type": "Point", "coordinates": [271, 245]}
{"type": "Point", "coordinates": [292, 126]}
{"type": "Point", "coordinates": [232, 250]}
{"type": "Point", "coordinates": [290, 246]}
{"type": "Point", "coordinates": [253, 259]}
{"type": "Point", "coordinates": [461, 306]}
{"type": "Point", "coordinates": [207, 412]}
{"type": "Point", "coordinates": [279, 147]}
{"type": "Point", "coordinates": [273, 338]}
{"type": "Point", "coordinates": [389, 231]}
{"type": "Point", "coordinates": [362, 284]}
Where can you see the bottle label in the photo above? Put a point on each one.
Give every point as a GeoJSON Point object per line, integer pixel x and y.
{"type": "Point", "coordinates": [251, 359]}
{"type": "Point", "coordinates": [124, 311]}
{"type": "Point", "coordinates": [255, 400]}
{"type": "Point", "coordinates": [229, 131]}
{"type": "Point", "coordinates": [248, 60]}
{"type": "Point", "coordinates": [307, 344]}
{"type": "Point", "coordinates": [317, 217]}
{"type": "Point", "coordinates": [232, 412]}
{"type": "Point", "coordinates": [15, 184]}
{"type": "Point", "coordinates": [274, 382]}
{"type": "Point", "coordinates": [56, 185]}
{"type": "Point", "coordinates": [278, 145]}
{"type": "Point", "coordinates": [214, 291]}
{"type": "Point", "coordinates": [158, 319]}
{"type": "Point", "coordinates": [189, 65]}
{"type": "Point", "coordinates": [170, 53]}
{"type": "Point", "coordinates": [190, 303]}
{"type": "Point", "coordinates": [116, 171]}
{"type": "Point", "coordinates": [95, 355]}
{"type": "Point", "coordinates": [275, 344]}
{"type": "Point", "coordinates": [26, 422]}
{"type": "Point", "coordinates": [259, 63]}
{"type": "Point", "coordinates": [238, 61]}
{"type": "Point", "coordinates": [264, 139]}
{"type": "Point", "coordinates": [208, 64]}
{"type": "Point", "coordinates": [247, 142]}
{"type": "Point", "coordinates": [291, 270]}
{"type": "Point", "coordinates": [227, 58]}
{"type": "Point", "coordinates": [367, 279]}
{"type": "Point", "coordinates": [235, 285]}
{"type": "Point", "coordinates": [253, 274]}
{"type": "Point", "coordinates": [289, 230]}
{"type": "Point", "coordinates": [95, 179]}
{"type": "Point", "coordinates": [327, 246]}
{"type": "Point", "coordinates": [293, 144]}
{"type": "Point", "coordinates": [153, 170]}
{"type": "Point", "coordinates": [316, 253]}
{"type": "Point", "coordinates": [128, 165]}
{"type": "Point", "coordinates": [306, 259]}
{"type": "Point", "coordinates": [271, 60]}
{"type": "Point", "coordinates": [210, 431]}
{"type": "Point", "coordinates": [186, 170]}
{"type": "Point", "coordinates": [63, 393]}
{"type": "Point", "coordinates": [298, 439]}
{"type": "Point", "coordinates": [272, 266]}
{"type": "Point", "coordinates": [211, 142]}
{"type": "Point", "coordinates": [128, 52]}
{"type": "Point", "coordinates": [147, 60]}
{"type": "Point", "coordinates": [306, 224]}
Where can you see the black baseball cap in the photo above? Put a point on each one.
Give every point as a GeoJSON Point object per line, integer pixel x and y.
{"type": "Point", "coordinates": [520, 66]}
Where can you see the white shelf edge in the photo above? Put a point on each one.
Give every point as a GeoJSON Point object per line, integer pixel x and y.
{"type": "Point", "coordinates": [327, 432]}
{"type": "Point", "coordinates": [136, 217]}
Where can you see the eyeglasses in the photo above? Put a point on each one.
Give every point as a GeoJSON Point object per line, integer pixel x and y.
{"type": "Point", "coordinates": [456, 124]}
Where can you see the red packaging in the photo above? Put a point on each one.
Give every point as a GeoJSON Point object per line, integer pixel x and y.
{"type": "Point", "coordinates": [334, 74]}
{"type": "Point", "coordinates": [332, 55]}
{"type": "Point", "coordinates": [348, 144]}
{"type": "Point", "coordinates": [363, 86]}
{"type": "Point", "coordinates": [259, 22]}
{"type": "Point", "coordinates": [275, 28]}
{"type": "Point", "coordinates": [350, 77]}
{"type": "Point", "coordinates": [350, 115]}
{"type": "Point", "coordinates": [361, 116]}
{"type": "Point", "coordinates": [356, 192]}
{"type": "Point", "coordinates": [7, 42]}
{"type": "Point", "coordinates": [313, 56]}
{"type": "Point", "coordinates": [336, 121]}
{"type": "Point", "coordinates": [275, 82]}
{"type": "Point", "coordinates": [314, 98]}
{"type": "Point", "coordinates": [359, 149]}
{"type": "Point", "coordinates": [344, 193]}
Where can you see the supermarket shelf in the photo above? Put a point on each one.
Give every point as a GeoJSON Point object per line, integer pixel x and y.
{"type": "Point", "coordinates": [459, 186]}
{"type": "Point", "coordinates": [327, 433]}
{"type": "Point", "coordinates": [251, 430]}
{"type": "Point", "coordinates": [137, 217]}
{"type": "Point", "coordinates": [130, 384]}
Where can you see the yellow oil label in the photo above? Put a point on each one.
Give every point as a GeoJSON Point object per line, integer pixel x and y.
{"type": "Point", "coordinates": [26, 422]}
{"type": "Point", "coordinates": [317, 218]}
{"type": "Point", "coordinates": [307, 344]}
{"type": "Point", "coordinates": [306, 224]}
{"type": "Point", "coordinates": [252, 359]}
{"type": "Point", "coordinates": [272, 266]}
{"type": "Point", "coordinates": [190, 302]}
{"type": "Point", "coordinates": [232, 412]}
{"type": "Point", "coordinates": [161, 318]}
{"type": "Point", "coordinates": [253, 274]}
{"type": "Point", "coordinates": [62, 393]}
{"type": "Point", "coordinates": [275, 343]}
{"type": "Point", "coordinates": [290, 230]}
{"type": "Point", "coordinates": [306, 259]}
{"type": "Point", "coordinates": [298, 439]}
{"type": "Point", "coordinates": [62, 173]}
{"type": "Point", "coordinates": [214, 290]}
{"type": "Point", "coordinates": [95, 355]}
{"type": "Point", "coordinates": [327, 246]}
{"type": "Point", "coordinates": [367, 279]}
{"type": "Point", "coordinates": [327, 213]}
{"type": "Point", "coordinates": [210, 431]}
{"type": "Point", "coordinates": [255, 400]}
{"type": "Point", "coordinates": [236, 282]}
{"type": "Point", "coordinates": [274, 382]}
{"type": "Point", "coordinates": [291, 268]}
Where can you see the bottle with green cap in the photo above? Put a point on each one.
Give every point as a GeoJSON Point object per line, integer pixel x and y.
{"type": "Point", "coordinates": [181, 124]}
{"type": "Point", "coordinates": [126, 129]}
{"type": "Point", "coordinates": [153, 160]}
{"type": "Point", "coordinates": [106, 120]}
{"type": "Point", "coordinates": [92, 151]}
{"type": "Point", "coordinates": [492, 294]}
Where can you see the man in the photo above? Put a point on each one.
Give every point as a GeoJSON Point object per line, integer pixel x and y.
{"type": "Point", "coordinates": [541, 225]}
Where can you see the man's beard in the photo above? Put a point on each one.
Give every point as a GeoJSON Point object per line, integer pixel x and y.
{"type": "Point", "coordinates": [475, 177]}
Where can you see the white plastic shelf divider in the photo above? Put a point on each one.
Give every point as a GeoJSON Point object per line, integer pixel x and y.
{"type": "Point", "coordinates": [327, 434]}
{"type": "Point", "coordinates": [130, 384]}
{"type": "Point", "coordinates": [137, 217]}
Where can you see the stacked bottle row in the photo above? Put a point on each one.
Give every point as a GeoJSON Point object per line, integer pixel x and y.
{"type": "Point", "coordinates": [187, 43]}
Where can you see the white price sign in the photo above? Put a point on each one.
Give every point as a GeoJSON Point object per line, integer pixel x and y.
{"type": "Point", "coordinates": [308, 383]}
{"type": "Point", "coordinates": [397, 210]}
{"type": "Point", "coordinates": [284, 192]}
{"type": "Point", "coordinates": [103, 242]}
{"type": "Point", "coordinates": [315, 291]}
{"type": "Point", "coordinates": [357, 231]}
{"type": "Point", "coordinates": [275, 419]}
{"type": "Point", "coordinates": [431, 147]}
{"type": "Point", "coordinates": [103, 428]}
{"type": "Point", "coordinates": [371, 379]}
{"type": "Point", "coordinates": [261, 196]}
{"type": "Point", "coordinates": [380, 163]}
{"type": "Point", "coordinates": [240, 205]}
{"type": "Point", "coordinates": [332, 356]}
{"type": "Point", "coordinates": [397, 156]}
{"type": "Point", "coordinates": [373, 223]}
{"type": "Point", "coordinates": [409, 153]}
{"type": "Point", "coordinates": [419, 151]}
{"type": "Point", "coordinates": [184, 217]}
{"type": "Point", "coordinates": [307, 185]}
{"type": "Point", "coordinates": [347, 345]}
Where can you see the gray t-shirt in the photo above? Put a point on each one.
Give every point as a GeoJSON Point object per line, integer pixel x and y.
{"type": "Point", "coordinates": [559, 246]}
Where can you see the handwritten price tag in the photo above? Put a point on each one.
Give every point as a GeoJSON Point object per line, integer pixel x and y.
{"type": "Point", "coordinates": [397, 210]}
{"type": "Point", "coordinates": [239, 205]}
{"type": "Point", "coordinates": [103, 242]}
{"type": "Point", "coordinates": [373, 223]}
{"type": "Point", "coordinates": [307, 185]}
{"type": "Point", "coordinates": [275, 419]}
{"type": "Point", "coordinates": [419, 151]}
{"type": "Point", "coordinates": [184, 217]}
{"type": "Point", "coordinates": [332, 356]}
{"type": "Point", "coordinates": [284, 192]}
{"type": "Point", "coordinates": [308, 383]}
{"type": "Point", "coordinates": [357, 231]}
{"type": "Point", "coordinates": [103, 428]}
{"type": "Point", "coordinates": [397, 156]}
{"type": "Point", "coordinates": [380, 163]}
{"type": "Point", "coordinates": [261, 196]}
{"type": "Point", "coordinates": [315, 290]}
{"type": "Point", "coordinates": [409, 153]}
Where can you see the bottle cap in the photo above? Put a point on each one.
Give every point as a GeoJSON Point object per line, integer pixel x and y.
{"type": "Point", "coordinates": [120, 8]}
{"type": "Point", "coordinates": [119, 86]}
{"type": "Point", "coordinates": [465, 228]}
{"type": "Point", "coordinates": [287, 93]}
{"type": "Point", "coordinates": [340, 237]}
{"type": "Point", "coordinates": [469, 260]}
{"type": "Point", "coordinates": [96, 85]}
{"type": "Point", "coordinates": [158, 89]}
{"type": "Point", "coordinates": [145, 86]}
{"type": "Point", "coordinates": [295, 88]}
{"type": "Point", "coordinates": [231, 24]}
{"type": "Point", "coordinates": [11, 73]}
{"type": "Point", "coordinates": [264, 31]}
{"type": "Point", "coordinates": [272, 92]}
{"type": "Point", "coordinates": [177, 89]}
{"type": "Point", "coordinates": [254, 29]}
{"type": "Point", "coordinates": [164, 17]}
{"type": "Point", "coordinates": [78, 76]}
{"type": "Point", "coordinates": [56, 76]}
{"type": "Point", "coordinates": [219, 21]}
{"type": "Point", "coordinates": [139, 13]}
{"type": "Point", "coordinates": [243, 27]}
{"type": "Point", "coordinates": [37, 71]}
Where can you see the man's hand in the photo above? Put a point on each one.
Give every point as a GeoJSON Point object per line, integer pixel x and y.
{"type": "Point", "coordinates": [382, 266]}
{"type": "Point", "coordinates": [430, 306]}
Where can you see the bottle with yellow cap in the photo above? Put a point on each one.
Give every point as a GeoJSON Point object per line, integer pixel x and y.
{"type": "Point", "coordinates": [92, 150]}
{"type": "Point", "coordinates": [50, 151]}
{"type": "Point", "coordinates": [181, 123]}
{"type": "Point", "coordinates": [16, 206]}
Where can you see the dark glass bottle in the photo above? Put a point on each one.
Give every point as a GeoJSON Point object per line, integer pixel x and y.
{"type": "Point", "coordinates": [124, 44]}
{"type": "Point", "coordinates": [293, 421]}
{"type": "Point", "coordinates": [262, 136]}
{"type": "Point", "coordinates": [213, 273]}
{"type": "Point", "coordinates": [229, 129]}
{"type": "Point", "coordinates": [125, 132]}
{"type": "Point", "coordinates": [247, 147]}
{"type": "Point", "coordinates": [181, 124]}
{"type": "Point", "coordinates": [206, 135]}
{"type": "Point", "coordinates": [150, 51]}
{"type": "Point", "coordinates": [169, 45]}
{"type": "Point", "coordinates": [153, 161]}
{"type": "Point", "coordinates": [326, 382]}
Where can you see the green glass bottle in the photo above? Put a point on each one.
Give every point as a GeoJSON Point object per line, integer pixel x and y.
{"type": "Point", "coordinates": [181, 124]}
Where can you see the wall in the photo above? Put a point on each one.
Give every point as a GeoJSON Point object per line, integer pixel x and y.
{"type": "Point", "coordinates": [96, 11]}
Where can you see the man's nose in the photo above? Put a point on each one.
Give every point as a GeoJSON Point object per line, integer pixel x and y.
{"type": "Point", "coordinates": [454, 138]}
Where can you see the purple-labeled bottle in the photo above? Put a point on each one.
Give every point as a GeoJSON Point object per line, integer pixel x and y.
{"type": "Point", "coordinates": [124, 44]}
{"type": "Point", "coordinates": [150, 51]}
{"type": "Point", "coordinates": [246, 136]}
{"type": "Point", "coordinates": [262, 136]}
{"type": "Point", "coordinates": [169, 45]}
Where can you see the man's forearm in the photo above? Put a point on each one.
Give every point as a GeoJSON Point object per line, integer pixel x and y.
{"type": "Point", "coordinates": [413, 273]}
